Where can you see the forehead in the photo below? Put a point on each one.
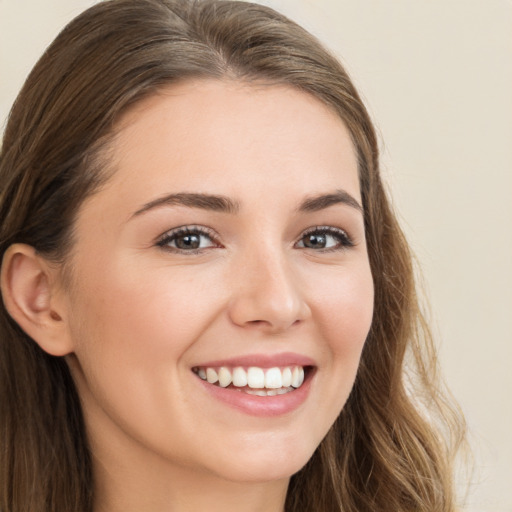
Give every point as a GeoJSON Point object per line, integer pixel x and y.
{"type": "Point", "coordinates": [224, 116]}
{"type": "Point", "coordinates": [249, 142]}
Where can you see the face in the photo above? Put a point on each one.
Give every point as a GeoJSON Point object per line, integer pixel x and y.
{"type": "Point", "coordinates": [229, 244]}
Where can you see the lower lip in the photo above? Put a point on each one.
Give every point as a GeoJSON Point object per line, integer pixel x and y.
{"type": "Point", "coordinates": [260, 405]}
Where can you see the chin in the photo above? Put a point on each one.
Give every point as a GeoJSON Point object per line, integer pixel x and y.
{"type": "Point", "coordinates": [276, 461]}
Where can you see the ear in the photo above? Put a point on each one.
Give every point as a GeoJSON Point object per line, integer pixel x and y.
{"type": "Point", "coordinates": [29, 290]}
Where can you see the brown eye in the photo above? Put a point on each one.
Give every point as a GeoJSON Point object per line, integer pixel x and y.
{"type": "Point", "coordinates": [315, 241]}
{"type": "Point", "coordinates": [187, 239]}
{"type": "Point", "coordinates": [325, 238]}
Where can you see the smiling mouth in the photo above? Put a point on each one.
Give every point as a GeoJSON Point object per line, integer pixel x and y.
{"type": "Point", "coordinates": [255, 380]}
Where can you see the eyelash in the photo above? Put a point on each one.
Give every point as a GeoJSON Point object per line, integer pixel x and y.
{"type": "Point", "coordinates": [174, 234]}
{"type": "Point", "coordinates": [344, 241]}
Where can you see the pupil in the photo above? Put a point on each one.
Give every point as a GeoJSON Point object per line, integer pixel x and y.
{"type": "Point", "coordinates": [314, 241]}
{"type": "Point", "coordinates": [188, 242]}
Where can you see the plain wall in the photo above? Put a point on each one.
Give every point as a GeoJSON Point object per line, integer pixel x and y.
{"type": "Point", "coordinates": [437, 79]}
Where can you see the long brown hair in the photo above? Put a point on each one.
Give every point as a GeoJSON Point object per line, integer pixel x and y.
{"type": "Point", "coordinates": [391, 447]}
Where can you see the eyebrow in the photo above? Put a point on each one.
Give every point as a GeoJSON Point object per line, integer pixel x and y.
{"type": "Point", "coordinates": [224, 204]}
{"type": "Point", "coordinates": [202, 201]}
{"type": "Point", "coordinates": [323, 201]}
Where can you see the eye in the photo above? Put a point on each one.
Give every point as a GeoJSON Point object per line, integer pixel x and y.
{"type": "Point", "coordinates": [325, 238]}
{"type": "Point", "coordinates": [191, 239]}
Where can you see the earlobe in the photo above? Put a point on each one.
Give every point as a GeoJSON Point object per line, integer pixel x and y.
{"type": "Point", "coordinates": [28, 290]}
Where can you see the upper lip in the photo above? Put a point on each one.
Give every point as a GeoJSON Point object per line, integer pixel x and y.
{"type": "Point", "coordinates": [262, 361]}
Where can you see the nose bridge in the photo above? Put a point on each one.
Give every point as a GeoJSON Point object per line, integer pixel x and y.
{"type": "Point", "coordinates": [266, 292]}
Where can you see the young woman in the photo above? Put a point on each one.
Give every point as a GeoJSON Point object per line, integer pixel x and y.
{"type": "Point", "coordinates": [208, 303]}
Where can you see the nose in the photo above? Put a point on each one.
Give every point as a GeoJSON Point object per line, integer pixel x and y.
{"type": "Point", "coordinates": [267, 295]}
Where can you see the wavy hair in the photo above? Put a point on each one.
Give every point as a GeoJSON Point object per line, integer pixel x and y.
{"type": "Point", "coordinates": [391, 448]}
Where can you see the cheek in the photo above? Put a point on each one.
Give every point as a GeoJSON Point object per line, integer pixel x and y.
{"type": "Point", "coordinates": [131, 335]}
{"type": "Point", "coordinates": [147, 309]}
{"type": "Point", "coordinates": [345, 311]}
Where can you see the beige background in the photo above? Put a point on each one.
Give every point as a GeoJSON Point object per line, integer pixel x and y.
{"type": "Point", "coordinates": [437, 78]}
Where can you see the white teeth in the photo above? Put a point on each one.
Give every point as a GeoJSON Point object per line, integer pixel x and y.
{"type": "Point", "coordinates": [295, 378]}
{"type": "Point", "coordinates": [211, 375]}
{"type": "Point", "coordinates": [239, 377]}
{"type": "Point", "coordinates": [301, 377]}
{"type": "Point", "coordinates": [287, 378]}
{"type": "Point", "coordinates": [255, 377]}
{"type": "Point", "coordinates": [224, 377]}
{"type": "Point", "coordinates": [273, 379]}
{"type": "Point", "coordinates": [268, 392]}
{"type": "Point", "coordinates": [257, 392]}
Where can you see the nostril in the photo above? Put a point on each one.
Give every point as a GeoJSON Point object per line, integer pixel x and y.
{"type": "Point", "coordinates": [269, 327]}
{"type": "Point", "coordinates": [268, 307]}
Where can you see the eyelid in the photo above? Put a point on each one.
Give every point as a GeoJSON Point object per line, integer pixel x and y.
{"type": "Point", "coordinates": [325, 229]}
{"type": "Point", "coordinates": [345, 242]}
{"type": "Point", "coordinates": [164, 239]}
{"type": "Point", "coordinates": [344, 239]}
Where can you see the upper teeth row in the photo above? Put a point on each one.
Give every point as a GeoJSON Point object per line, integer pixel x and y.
{"type": "Point", "coordinates": [254, 377]}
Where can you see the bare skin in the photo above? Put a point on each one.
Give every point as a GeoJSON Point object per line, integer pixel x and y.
{"type": "Point", "coordinates": [277, 271]}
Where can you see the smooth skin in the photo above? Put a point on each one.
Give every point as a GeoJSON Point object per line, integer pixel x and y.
{"type": "Point", "coordinates": [143, 308]}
